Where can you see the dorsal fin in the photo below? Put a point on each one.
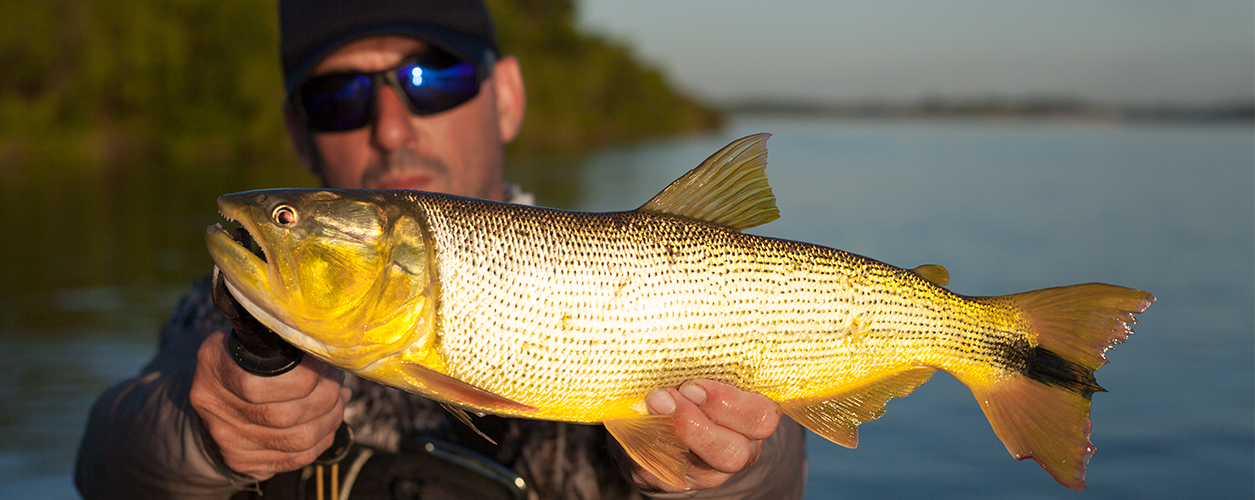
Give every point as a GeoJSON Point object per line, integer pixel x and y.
{"type": "Point", "coordinates": [934, 273]}
{"type": "Point", "coordinates": [728, 189]}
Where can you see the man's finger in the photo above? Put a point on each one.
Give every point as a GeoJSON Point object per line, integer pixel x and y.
{"type": "Point", "coordinates": [723, 449]}
{"type": "Point", "coordinates": [263, 464]}
{"type": "Point", "coordinates": [296, 384]}
{"type": "Point", "coordinates": [301, 437]}
{"type": "Point", "coordinates": [260, 440]}
{"type": "Point", "coordinates": [752, 415]}
{"type": "Point", "coordinates": [290, 399]}
{"type": "Point", "coordinates": [322, 400]}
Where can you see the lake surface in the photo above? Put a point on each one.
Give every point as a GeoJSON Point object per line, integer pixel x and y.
{"type": "Point", "coordinates": [94, 259]}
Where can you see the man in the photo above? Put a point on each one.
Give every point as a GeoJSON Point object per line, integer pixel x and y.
{"type": "Point", "coordinates": [394, 94]}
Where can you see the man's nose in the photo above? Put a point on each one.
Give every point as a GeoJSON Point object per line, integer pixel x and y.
{"type": "Point", "coordinates": [393, 128]}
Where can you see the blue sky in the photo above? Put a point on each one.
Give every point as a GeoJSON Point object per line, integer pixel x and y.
{"type": "Point", "coordinates": [1111, 51]}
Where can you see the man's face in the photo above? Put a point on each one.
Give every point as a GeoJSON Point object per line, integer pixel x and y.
{"type": "Point", "coordinates": [458, 151]}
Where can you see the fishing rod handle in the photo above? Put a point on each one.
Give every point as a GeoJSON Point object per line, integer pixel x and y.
{"type": "Point", "coordinates": [260, 356]}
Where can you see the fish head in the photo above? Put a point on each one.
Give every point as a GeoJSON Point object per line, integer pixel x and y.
{"type": "Point", "coordinates": [341, 274]}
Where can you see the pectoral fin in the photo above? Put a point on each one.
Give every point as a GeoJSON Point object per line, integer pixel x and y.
{"type": "Point", "coordinates": [656, 442]}
{"type": "Point", "coordinates": [466, 419]}
{"type": "Point", "coordinates": [836, 416]}
{"type": "Point", "coordinates": [446, 388]}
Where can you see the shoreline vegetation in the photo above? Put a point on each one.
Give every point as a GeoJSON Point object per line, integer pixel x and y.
{"type": "Point", "coordinates": [109, 83]}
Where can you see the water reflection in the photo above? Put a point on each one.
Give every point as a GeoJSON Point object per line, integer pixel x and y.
{"type": "Point", "coordinates": [94, 259]}
{"type": "Point", "coordinates": [87, 246]}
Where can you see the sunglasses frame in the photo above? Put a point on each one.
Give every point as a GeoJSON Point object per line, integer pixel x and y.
{"type": "Point", "coordinates": [483, 71]}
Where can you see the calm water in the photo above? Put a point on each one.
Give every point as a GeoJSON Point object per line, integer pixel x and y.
{"type": "Point", "coordinates": [95, 258]}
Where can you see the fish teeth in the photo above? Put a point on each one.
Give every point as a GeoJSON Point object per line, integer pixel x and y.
{"type": "Point", "coordinates": [225, 216]}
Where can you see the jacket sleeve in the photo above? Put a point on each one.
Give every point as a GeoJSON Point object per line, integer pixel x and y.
{"type": "Point", "coordinates": [143, 439]}
{"type": "Point", "coordinates": [779, 473]}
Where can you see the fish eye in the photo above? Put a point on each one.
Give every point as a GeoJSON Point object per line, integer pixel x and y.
{"type": "Point", "coordinates": [284, 215]}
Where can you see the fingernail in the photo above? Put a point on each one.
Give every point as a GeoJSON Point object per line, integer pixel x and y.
{"type": "Point", "coordinates": [694, 393]}
{"type": "Point", "coordinates": [660, 402]}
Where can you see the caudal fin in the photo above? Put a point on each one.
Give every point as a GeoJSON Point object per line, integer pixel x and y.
{"type": "Point", "coordinates": [1042, 410]}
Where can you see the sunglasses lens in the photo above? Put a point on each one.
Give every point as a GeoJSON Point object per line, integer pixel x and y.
{"type": "Point", "coordinates": [432, 90]}
{"type": "Point", "coordinates": [337, 102]}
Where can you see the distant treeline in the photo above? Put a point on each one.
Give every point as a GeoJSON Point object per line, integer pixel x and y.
{"type": "Point", "coordinates": [1049, 107]}
{"type": "Point", "coordinates": [199, 80]}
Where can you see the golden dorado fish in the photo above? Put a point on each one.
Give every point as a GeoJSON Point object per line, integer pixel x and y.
{"type": "Point", "coordinates": [549, 314]}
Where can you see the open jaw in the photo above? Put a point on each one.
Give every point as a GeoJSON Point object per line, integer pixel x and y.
{"type": "Point", "coordinates": [241, 236]}
{"type": "Point", "coordinates": [247, 275]}
{"type": "Point", "coordinates": [242, 261]}
{"type": "Point", "coordinates": [238, 255]}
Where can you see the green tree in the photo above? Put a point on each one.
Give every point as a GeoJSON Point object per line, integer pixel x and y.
{"type": "Point", "coordinates": [199, 80]}
{"type": "Point", "coordinates": [583, 90]}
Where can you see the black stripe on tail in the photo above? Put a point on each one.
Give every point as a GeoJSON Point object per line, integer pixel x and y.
{"type": "Point", "coordinates": [1043, 365]}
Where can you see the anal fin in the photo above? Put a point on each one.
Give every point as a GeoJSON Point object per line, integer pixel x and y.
{"type": "Point", "coordinates": [656, 442]}
{"type": "Point", "coordinates": [445, 388]}
{"type": "Point", "coordinates": [837, 416]}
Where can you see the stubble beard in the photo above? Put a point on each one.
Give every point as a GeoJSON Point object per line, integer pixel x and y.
{"type": "Point", "coordinates": [405, 162]}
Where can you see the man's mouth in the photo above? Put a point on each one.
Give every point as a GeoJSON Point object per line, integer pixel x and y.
{"type": "Point", "coordinates": [405, 168]}
{"type": "Point", "coordinates": [405, 180]}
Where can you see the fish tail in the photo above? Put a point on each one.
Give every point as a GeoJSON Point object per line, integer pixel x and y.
{"type": "Point", "coordinates": [1041, 410]}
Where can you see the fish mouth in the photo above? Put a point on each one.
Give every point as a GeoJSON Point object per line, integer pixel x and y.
{"type": "Point", "coordinates": [243, 260]}
{"type": "Point", "coordinates": [241, 236]}
{"type": "Point", "coordinates": [246, 273]}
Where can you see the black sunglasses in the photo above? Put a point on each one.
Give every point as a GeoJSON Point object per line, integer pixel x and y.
{"type": "Point", "coordinates": [428, 84]}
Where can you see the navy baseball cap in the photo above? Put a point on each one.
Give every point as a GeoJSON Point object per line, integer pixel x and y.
{"type": "Point", "coordinates": [310, 30]}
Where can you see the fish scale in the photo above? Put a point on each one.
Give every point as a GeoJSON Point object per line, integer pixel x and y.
{"type": "Point", "coordinates": [549, 314]}
{"type": "Point", "coordinates": [731, 314]}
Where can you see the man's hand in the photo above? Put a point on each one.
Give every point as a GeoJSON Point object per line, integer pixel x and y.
{"type": "Point", "coordinates": [266, 425]}
{"type": "Point", "coordinates": [724, 431]}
